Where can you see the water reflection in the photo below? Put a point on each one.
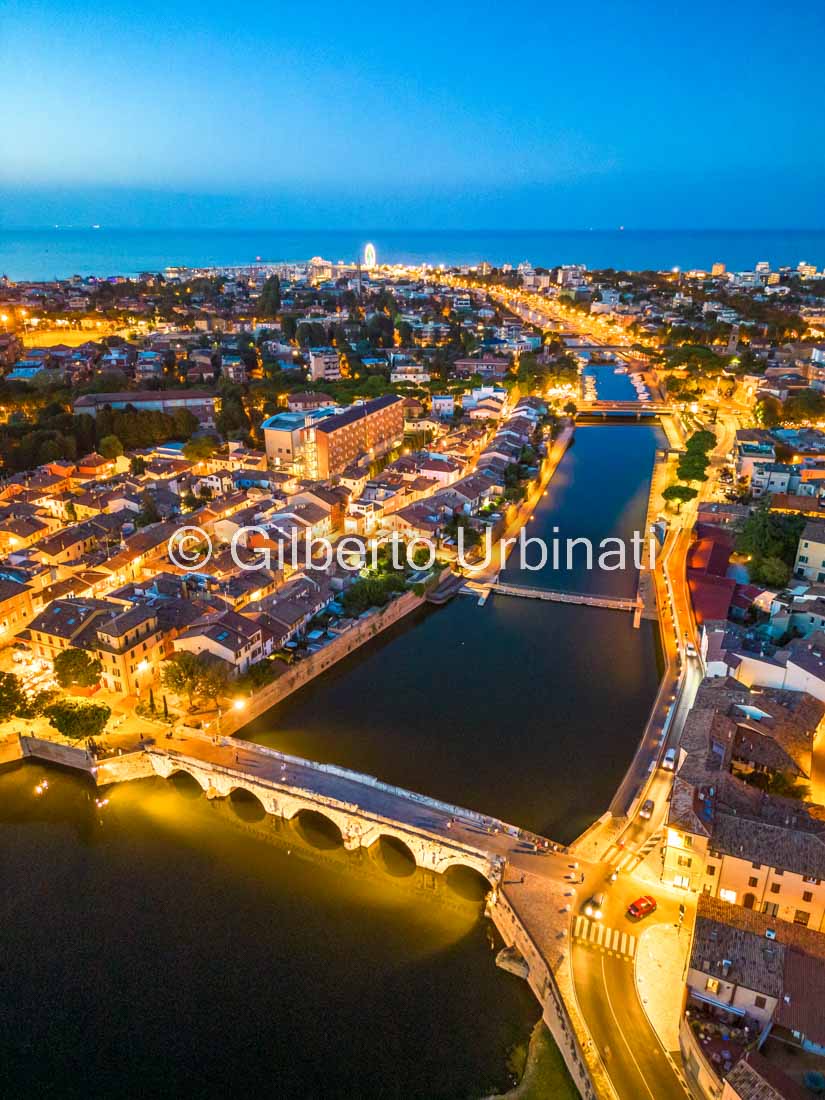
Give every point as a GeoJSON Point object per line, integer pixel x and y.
{"type": "Point", "coordinates": [166, 943]}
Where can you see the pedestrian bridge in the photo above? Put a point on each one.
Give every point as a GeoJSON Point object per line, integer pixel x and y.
{"type": "Point", "coordinates": [618, 603]}
{"type": "Point", "coordinates": [621, 408]}
{"type": "Point", "coordinates": [438, 836]}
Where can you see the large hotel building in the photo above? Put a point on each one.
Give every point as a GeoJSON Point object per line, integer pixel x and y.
{"type": "Point", "coordinates": [319, 447]}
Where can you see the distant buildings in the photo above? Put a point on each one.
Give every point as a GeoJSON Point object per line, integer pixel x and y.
{"type": "Point", "coordinates": [198, 402]}
{"type": "Point", "coordinates": [324, 364]}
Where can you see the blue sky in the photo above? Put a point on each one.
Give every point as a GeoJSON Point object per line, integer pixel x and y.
{"type": "Point", "coordinates": [465, 115]}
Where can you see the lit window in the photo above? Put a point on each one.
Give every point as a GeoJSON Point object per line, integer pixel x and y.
{"type": "Point", "coordinates": [728, 895]}
{"type": "Point", "coordinates": [712, 985]}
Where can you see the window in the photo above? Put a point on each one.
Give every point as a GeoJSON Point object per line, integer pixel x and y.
{"type": "Point", "coordinates": [801, 917]}
{"type": "Point", "coordinates": [756, 866]}
{"type": "Point", "coordinates": [711, 870]}
{"type": "Point", "coordinates": [752, 881]}
{"type": "Point", "coordinates": [775, 887]}
{"type": "Point", "coordinates": [712, 985]}
{"type": "Point", "coordinates": [770, 908]}
{"type": "Point", "coordinates": [814, 881]}
{"type": "Point", "coordinates": [684, 861]}
{"type": "Point", "coordinates": [807, 895]}
{"type": "Point", "coordinates": [779, 872]}
{"type": "Point", "coordinates": [728, 895]}
{"type": "Point", "coordinates": [759, 1001]}
{"type": "Point", "coordinates": [688, 841]}
{"type": "Point", "coordinates": [681, 880]}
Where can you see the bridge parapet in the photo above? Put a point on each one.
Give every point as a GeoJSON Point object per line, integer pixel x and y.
{"type": "Point", "coordinates": [359, 825]}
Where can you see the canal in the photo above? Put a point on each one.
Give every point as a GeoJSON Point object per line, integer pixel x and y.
{"type": "Point", "coordinates": [525, 709]}
{"type": "Point", "coordinates": [166, 944]}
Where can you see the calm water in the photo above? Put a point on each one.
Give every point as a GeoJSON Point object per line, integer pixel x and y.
{"type": "Point", "coordinates": [59, 253]}
{"type": "Point", "coordinates": [493, 707]}
{"type": "Point", "coordinates": [599, 490]}
{"type": "Point", "coordinates": [168, 946]}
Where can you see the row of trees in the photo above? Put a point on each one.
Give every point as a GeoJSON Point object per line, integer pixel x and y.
{"type": "Point", "coordinates": [692, 467]}
{"type": "Point", "coordinates": [72, 719]}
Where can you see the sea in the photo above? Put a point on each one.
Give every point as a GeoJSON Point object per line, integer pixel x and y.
{"type": "Point", "coordinates": [60, 252]}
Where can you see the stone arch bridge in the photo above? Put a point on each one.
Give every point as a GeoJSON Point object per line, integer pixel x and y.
{"type": "Point", "coordinates": [423, 826]}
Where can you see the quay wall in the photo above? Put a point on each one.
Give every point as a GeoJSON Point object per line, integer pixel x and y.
{"type": "Point", "coordinates": [299, 674]}
{"type": "Point", "coordinates": [553, 988]}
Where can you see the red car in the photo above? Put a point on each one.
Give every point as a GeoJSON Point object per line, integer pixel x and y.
{"type": "Point", "coordinates": [641, 907]}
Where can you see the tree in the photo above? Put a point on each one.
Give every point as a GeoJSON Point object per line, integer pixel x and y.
{"type": "Point", "coordinates": [692, 467]}
{"type": "Point", "coordinates": [137, 465]}
{"type": "Point", "coordinates": [201, 447]}
{"type": "Point", "coordinates": [767, 412]}
{"type": "Point", "coordinates": [77, 720]}
{"type": "Point", "coordinates": [680, 493]}
{"type": "Point", "coordinates": [701, 442]}
{"type": "Point", "coordinates": [213, 681]}
{"type": "Point", "coordinates": [110, 447]}
{"type": "Point", "coordinates": [269, 302]}
{"type": "Point", "coordinates": [772, 571]}
{"type": "Point", "coordinates": [149, 511]}
{"type": "Point", "coordinates": [182, 674]}
{"type": "Point", "coordinates": [11, 695]}
{"type": "Point", "coordinates": [76, 668]}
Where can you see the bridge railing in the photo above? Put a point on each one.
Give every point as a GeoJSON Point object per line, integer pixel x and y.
{"type": "Point", "coordinates": [447, 808]}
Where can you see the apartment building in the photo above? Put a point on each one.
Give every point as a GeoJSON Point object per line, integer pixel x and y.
{"type": "Point", "coordinates": [369, 429]}
{"type": "Point", "coordinates": [726, 835]}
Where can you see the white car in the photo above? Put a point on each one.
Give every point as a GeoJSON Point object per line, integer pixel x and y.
{"type": "Point", "coordinates": [690, 650]}
{"type": "Point", "coordinates": [669, 762]}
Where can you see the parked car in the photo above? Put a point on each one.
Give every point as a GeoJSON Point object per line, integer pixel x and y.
{"type": "Point", "coordinates": [647, 808]}
{"type": "Point", "coordinates": [594, 907]}
{"type": "Point", "coordinates": [669, 762]}
{"type": "Point", "coordinates": [642, 907]}
{"type": "Point", "coordinates": [690, 650]}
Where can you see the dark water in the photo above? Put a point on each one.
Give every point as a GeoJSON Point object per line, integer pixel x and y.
{"type": "Point", "coordinates": [58, 253]}
{"type": "Point", "coordinates": [522, 708]}
{"type": "Point", "coordinates": [168, 946]}
{"type": "Point", "coordinates": [599, 490]}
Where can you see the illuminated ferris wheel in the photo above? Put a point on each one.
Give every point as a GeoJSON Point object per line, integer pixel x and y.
{"type": "Point", "coordinates": [369, 256]}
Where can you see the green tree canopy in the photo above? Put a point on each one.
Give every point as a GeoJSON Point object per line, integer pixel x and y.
{"type": "Point", "coordinates": [12, 699]}
{"type": "Point", "coordinates": [76, 668]}
{"type": "Point", "coordinates": [203, 446]}
{"type": "Point", "coordinates": [110, 447]}
{"type": "Point", "coordinates": [681, 494]}
{"type": "Point", "coordinates": [269, 302]}
{"type": "Point", "coordinates": [182, 674]}
{"type": "Point", "coordinates": [76, 720]}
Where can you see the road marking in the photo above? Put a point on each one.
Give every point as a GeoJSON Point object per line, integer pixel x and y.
{"type": "Point", "coordinates": [598, 936]}
{"type": "Point", "coordinates": [619, 1030]}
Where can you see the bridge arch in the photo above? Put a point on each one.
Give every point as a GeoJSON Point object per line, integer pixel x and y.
{"type": "Point", "coordinates": [393, 855]}
{"type": "Point", "coordinates": [467, 880]}
{"type": "Point", "coordinates": [186, 775]}
{"type": "Point", "coordinates": [247, 803]}
{"type": "Point", "coordinates": [318, 829]}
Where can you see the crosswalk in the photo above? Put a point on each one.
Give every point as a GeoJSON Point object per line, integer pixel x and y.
{"type": "Point", "coordinates": [610, 940]}
{"type": "Point", "coordinates": [628, 859]}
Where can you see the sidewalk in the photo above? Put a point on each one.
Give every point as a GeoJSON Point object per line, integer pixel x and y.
{"type": "Point", "coordinates": [660, 963]}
